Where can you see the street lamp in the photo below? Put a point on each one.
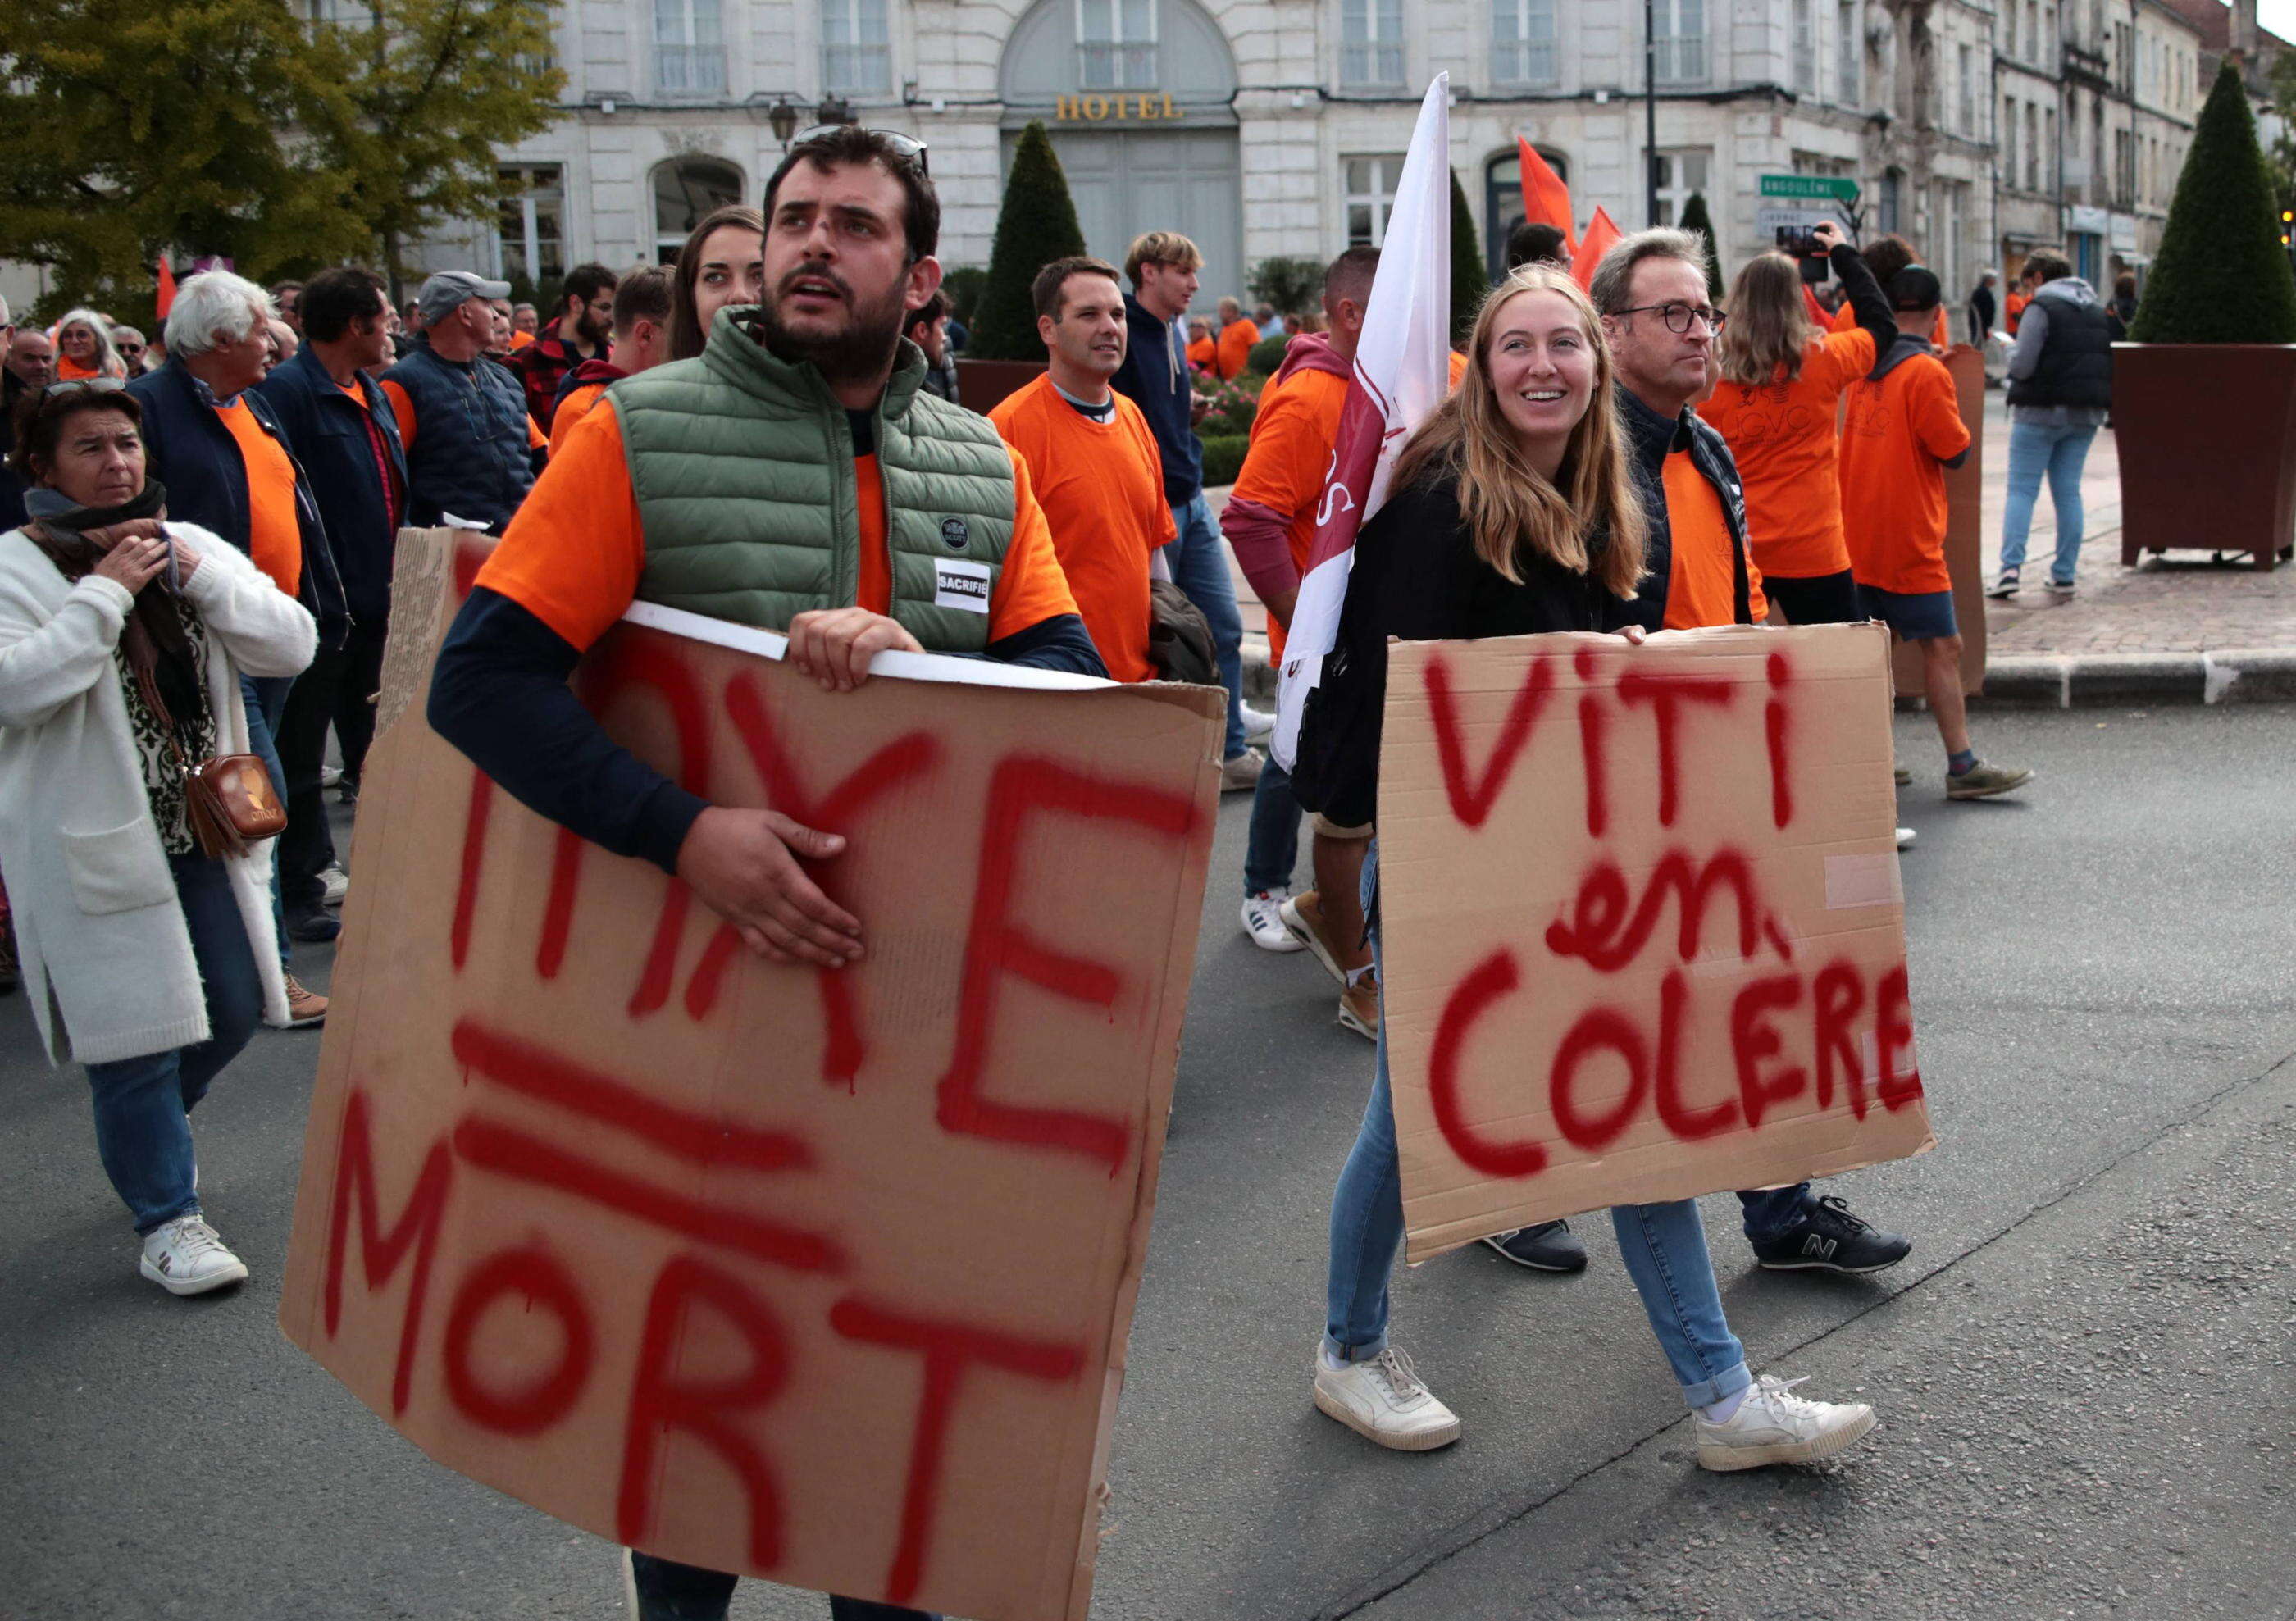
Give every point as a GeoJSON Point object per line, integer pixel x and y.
{"type": "Point", "coordinates": [783, 119]}
{"type": "Point", "coordinates": [836, 111]}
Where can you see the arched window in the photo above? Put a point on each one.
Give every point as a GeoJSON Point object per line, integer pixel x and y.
{"type": "Point", "coordinates": [684, 191]}
{"type": "Point", "coordinates": [1502, 201]}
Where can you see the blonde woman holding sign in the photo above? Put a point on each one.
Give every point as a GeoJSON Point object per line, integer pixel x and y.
{"type": "Point", "coordinates": [1515, 512]}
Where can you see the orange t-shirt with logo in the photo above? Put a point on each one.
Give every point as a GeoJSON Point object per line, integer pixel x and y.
{"type": "Point", "coordinates": [1701, 586]}
{"type": "Point", "coordinates": [1235, 341]}
{"type": "Point", "coordinates": [574, 552]}
{"type": "Point", "coordinates": [1895, 435]}
{"type": "Point", "coordinates": [274, 534]}
{"type": "Point", "coordinates": [1782, 434]}
{"type": "Point", "coordinates": [1845, 320]}
{"type": "Point", "coordinates": [1102, 488]}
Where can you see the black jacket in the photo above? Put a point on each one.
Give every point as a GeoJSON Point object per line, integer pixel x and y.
{"type": "Point", "coordinates": [1166, 393]}
{"type": "Point", "coordinates": [187, 448]}
{"type": "Point", "coordinates": [326, 431]}
{"type": "Point", "coordinates": [1650, 439]}
{"type": "Point", "coordinates": [1417, 576]}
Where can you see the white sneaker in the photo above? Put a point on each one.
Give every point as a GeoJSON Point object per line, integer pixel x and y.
{"type": "Point", "coordinates": [1906, 837]}
{"type": "Point", "coordinates": [329, 776]}
{"type": "Point", "coordinates": [1259, 724]}
{"type": "Point", "coordinates": [1383, 1401]}
{"type": "Point", "coordinates": [1241, 771]}
{"type": "Point", "coordinates": [337, 884]}
{"type": "Point", "coordinates": [1772, 1425]}
{"type": "Point", "coordinates": [1263, 920]}
{"type": "Point", "coordinates": [184, 1257]}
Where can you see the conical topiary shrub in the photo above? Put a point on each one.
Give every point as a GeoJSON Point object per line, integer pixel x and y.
{"type": "Point", "coordinates": [2221, 275]}
{"type": "Point", "coordinates": [1469, 278]}
{"type": "Point", "coordinates": [1695, 218]}
{"type": "Point", "coordinates": [1035, 224]}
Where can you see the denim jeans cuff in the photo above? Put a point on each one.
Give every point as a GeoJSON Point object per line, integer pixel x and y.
{"type": "Point", "coordinates": [1364, 1353]}
{"type": "Point", "coordinates": [190, 1207]}
{"type": "Point", "coordinates": [1721, 1388]}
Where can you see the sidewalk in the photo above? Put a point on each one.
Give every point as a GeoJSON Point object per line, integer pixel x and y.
{"type": "Point", "coordinates": [2184, 630]}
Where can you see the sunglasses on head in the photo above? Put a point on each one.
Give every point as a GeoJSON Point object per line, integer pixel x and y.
{"type": "Point", "coordinates": [93, 385]}
{"type": "Point", "coordinates": [905, 146]}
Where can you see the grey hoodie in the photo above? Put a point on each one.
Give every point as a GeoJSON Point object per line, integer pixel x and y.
{"type": "Point", "coordinates": [2032, 334]}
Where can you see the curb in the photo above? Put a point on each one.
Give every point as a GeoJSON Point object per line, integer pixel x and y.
{"type": "Point", "coordinates": [2047, 681]}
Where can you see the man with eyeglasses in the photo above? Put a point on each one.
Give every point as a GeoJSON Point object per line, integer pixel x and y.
{"type": "Point", "coordinates": [1650, 290]}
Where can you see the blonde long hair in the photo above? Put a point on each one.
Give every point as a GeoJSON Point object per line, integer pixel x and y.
{"type": "Point", "coordinates": [1769, 323]}
{"type": "Point", "coordinates": [1510, 506]}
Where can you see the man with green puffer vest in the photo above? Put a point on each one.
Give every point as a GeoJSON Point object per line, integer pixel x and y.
{"type": "Point", "coordinates": [698, 485]}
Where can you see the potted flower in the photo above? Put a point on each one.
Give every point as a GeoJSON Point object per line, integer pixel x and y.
{"type": "Point", "coordinates": [2204, 392]}
{"type": "Point", "coordinates": [1035, 224]}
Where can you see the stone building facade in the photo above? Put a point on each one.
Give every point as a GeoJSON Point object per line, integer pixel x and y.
{"type": "Point", "coordinates": [1265, 128]}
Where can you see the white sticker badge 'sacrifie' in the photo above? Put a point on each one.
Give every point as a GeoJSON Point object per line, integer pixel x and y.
{"type": "Point", "coordinates": [960, 583]}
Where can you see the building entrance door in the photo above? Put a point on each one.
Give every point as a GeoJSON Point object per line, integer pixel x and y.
{"type": "Point", "coordinates": [1138, 96]}
{"type": "Point", "coordinates": [1126, 181]}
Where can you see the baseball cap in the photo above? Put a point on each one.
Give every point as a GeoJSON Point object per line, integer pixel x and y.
{"type": "Point", "coordinates": [447, 291]}
{"type": "Point", "coordinates": [1916, 288]}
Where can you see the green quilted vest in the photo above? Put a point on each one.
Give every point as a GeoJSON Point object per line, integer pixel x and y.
{"type": "Point", "coordinates": [742, 465]}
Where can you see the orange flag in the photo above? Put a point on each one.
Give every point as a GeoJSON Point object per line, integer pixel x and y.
{"type": "Point", "coordinates": [1546, 200]}
{"type": "Point", "coordinates": [167, 288]}
{"type": "Point", "coordinates": [1601, 235]}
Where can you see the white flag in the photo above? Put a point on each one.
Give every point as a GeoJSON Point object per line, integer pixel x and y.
{"type": "Point", "coordinates": [1402, 370]}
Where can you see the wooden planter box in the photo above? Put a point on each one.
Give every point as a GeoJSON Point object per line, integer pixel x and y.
{"type": "Point", "coordinates": [2207, 434]}
{"type": "Point", "coordinates": [983, 384]}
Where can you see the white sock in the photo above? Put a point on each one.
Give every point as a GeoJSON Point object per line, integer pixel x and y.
{"type": "Point", "coordinates": [1718, 1412]}
{"type": "Point", "coordinates": [1353, 976]}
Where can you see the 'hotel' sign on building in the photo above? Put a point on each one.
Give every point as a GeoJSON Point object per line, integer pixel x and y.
{"type": "Point", "coordinates": [1145, 105]}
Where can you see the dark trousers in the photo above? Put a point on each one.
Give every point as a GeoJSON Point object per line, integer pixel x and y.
{"type": "Point", "coordinates": [307, 847]}
{"type": "Point", "coordinates": [1818, 599]}
{"type": "Point", "coordinates": [355, 692]}
{"type": "Point", "coordinates": [669, 1591]}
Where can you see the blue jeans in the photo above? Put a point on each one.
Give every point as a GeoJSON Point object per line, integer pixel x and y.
{"type": "Point", "coordinates": [267, 705]}
{"type": "Point", "coordinates": [669, 1591]}
{"type": "Point", "coordinates": [1664, 1248]}
{"type": "Point", "coordinates": [1272, 849]}
{"type": "Point", "coordinates": [2035, 448]}
{"type": "Point", "coordinates": [1199, 563]}
{"type": "Point", "coordinates": [142, 1105]}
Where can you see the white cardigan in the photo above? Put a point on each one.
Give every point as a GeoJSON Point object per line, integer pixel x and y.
{"type": "Point", "coordinates": [97, 922]}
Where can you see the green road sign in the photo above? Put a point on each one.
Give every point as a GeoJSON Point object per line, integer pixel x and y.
{"type": "Point", "coordinates": [1809, 186]}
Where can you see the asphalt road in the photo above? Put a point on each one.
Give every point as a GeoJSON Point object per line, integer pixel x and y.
{"type": "Point", "coordinates": [2086, 1374]}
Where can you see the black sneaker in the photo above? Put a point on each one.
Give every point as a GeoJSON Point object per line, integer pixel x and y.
{"type": "Point", "coordinates": [1829, 1239]}
{"type": "Point", "coordinates": [1547, 1247]}
{"type": "Point", "coordinates": [316, 924]}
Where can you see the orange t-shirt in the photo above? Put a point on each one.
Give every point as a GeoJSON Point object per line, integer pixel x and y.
{"type": "Point", "coordinates": [573, 553]}
{"type": "Point", "coordinates": [518, 341]}
{"type": "Point", "coordinates": [1782, 435]}
{"type": "Point", "coordinates": [1845, 320]}
{"type": "Point", "coordinates": [1701, 586]}
{"type": "Point", "coordinates": [1896, 433]}
{"type": "Point", "coordinates": [1235, 341]}
{"type": "Point", "coordinates": [69, 370]}
{"type": "Point", "coordinates": [1203, 354]}
{"type": "Point", "coordinates": [2013, 311]}
{"type": "Point", "coordinates": [1101, 488]}
{"type": "Point", "coordinates": [1291, 455]}
{"type": "Point", "coordinates": [274, 534]}
{"type": "Point", "coordinates": [571, 410]}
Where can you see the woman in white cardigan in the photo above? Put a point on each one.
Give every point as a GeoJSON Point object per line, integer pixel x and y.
{"type": "Point", "coordinates": [145, 960]}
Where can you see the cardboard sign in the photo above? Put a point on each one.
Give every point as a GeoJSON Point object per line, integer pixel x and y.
{"type": "Point", "coordinates": [1641, 924]}
{"type": "Point", "coordinates": [823, 1276]}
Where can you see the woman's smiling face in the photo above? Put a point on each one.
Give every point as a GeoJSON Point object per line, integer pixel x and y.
{"type": "Point", "coordinates": [1542, 364]}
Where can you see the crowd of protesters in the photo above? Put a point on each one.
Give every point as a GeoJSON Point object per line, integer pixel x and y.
{"type": "Point", "coordinates": [203, 530]}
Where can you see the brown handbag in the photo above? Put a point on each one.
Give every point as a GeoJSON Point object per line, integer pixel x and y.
{"type": "Point", "coordinates": [229, 802]}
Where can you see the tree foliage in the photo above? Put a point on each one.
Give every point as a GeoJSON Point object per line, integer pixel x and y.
{"type": "Point", "coordinates": [1470, 278]}
{"type": "Point", "coordinates": [1035, 224]}
{"type": "Point", "coordinates": [1695, 218]}
{"type": "Point", "coordinates": [2221, 275]}
{"type": "Point", "coordinates": [230, 128]}
{"type": "Point", "coordinates": [1291, 286]}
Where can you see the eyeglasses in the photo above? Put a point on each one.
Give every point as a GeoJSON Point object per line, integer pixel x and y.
{"type": "Point", "coordinates": [93, 385]}
{"type": "Point", "coordinates": [906, 147]}
{"type": "Point", "coordinates": [131, 349]}
{"type": "Point", "coordinates": [1679, 316]}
